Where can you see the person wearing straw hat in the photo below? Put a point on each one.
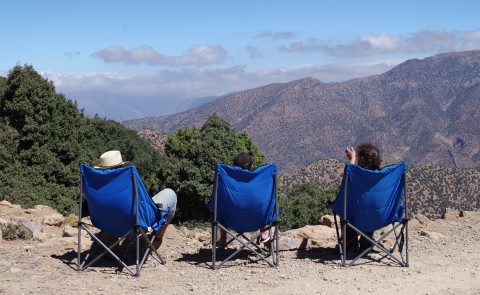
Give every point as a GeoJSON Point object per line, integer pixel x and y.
{"type": "Point", "coordinates": [166, 198]}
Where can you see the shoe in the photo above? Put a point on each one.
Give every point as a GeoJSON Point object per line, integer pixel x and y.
{"type": "Point", "coordinates": [265, 240]}
{"type": "Point", "coordinates": [220, 246]}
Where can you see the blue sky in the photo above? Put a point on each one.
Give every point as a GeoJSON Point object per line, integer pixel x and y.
{"type": "Point", "coordinates": [132, 59]}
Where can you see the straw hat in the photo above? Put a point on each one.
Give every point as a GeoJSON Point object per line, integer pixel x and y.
{"type": "Point", "coordinates": [111, 159]}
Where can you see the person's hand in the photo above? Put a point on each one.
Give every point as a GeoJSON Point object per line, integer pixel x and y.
{"type": "Point", "coordinates": [351, 154]}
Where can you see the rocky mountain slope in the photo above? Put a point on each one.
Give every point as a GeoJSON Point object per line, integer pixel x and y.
{"type": "Point", "coordinates": [422, 111]}
{"type": "Point", "coordinates": [430, 189]}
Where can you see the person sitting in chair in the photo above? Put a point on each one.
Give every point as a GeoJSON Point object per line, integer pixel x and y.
{"type": "Point", "coordinates": [245, 161]}
{"type": "Point", "coordinates": [166, 198]}
{"type": "Point", "coordinates": [366, 156]}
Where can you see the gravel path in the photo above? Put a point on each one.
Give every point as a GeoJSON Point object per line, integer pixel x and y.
{"type": "Point", "coordinates": [444, 259]}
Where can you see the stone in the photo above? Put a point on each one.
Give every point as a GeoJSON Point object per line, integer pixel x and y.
{"type": "Point", "coordinates": [432, 235]}
{"type": "Point", "coordinates": [54, 220]}
{"type": "Point", "coordinates": [327, 220]}
{"type": "Point", "coordinates": [450, 214]}
{"type": "Point", "coordinates": [69, 231]}
{"type": "Point", "coordinates": [6, 204]}
{"type": "Point", "coordinates": [422, 219]}
{"type": "Point", "coordinates": [31, 226]}
{"type": "Point", "coordinates": [39, 236]}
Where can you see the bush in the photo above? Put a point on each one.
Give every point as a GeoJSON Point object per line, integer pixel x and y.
{"type": "Point", "coordinates": [13, 231]}
{"type": "Point", "coordinates": [304, 204]}
{"type": "Point", "coordinates": [191, 156]}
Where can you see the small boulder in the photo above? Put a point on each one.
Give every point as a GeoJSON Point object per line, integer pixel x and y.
{"type": "Point", "coordinates": [31, 226]}
{"type": "Point", "coordinates": [450, 214]}
{"type": "Point", "coordinates": [327, 220]}
{"type": "Point", "coordinates": [69, 231]}
{"type": "Point", "coordinates": [6, 203]}
{"type": "Point", "coordinates": [54, 220]}
{"type": "Point", "coordinates": [422, 219]}
{"type": "Point", "coordinates": [432, 235]}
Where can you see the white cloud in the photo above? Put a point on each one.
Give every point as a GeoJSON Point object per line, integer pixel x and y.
{"type": "Point", "coordinates": [423, 42]}
{"type": "Point", "coordinates": [278, 35]}
{"type": "Point", "coordinates": [71, 54]}
{"type": "Point", "coordinates": [197, 55]}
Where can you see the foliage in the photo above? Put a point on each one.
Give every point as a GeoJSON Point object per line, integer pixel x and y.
{"type": "Point", "coordinates": [72, 220]}
{"type": "Point", "coordinates": [191, 156]}
{"type": "Point", "coordinates": [14, 231]}
{"type": "Point", "coordinates": [304, 204]}
{"type": "Point", "coordinates": [44, 138]}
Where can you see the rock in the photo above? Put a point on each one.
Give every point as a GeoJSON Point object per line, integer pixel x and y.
{"type": "Point", "coordinates": [39, 236]}
{"type": "Point", "coordinates": [54, 220]}
{"type": "Point", "coordinates": [6, 204]}
{"type": "Point", "coordinates": [450, 214]}
{"type": "Point", "coordinates": [31, 226]}
{"type": "Point", "coordinates": [414, 224]}
{"type": "Point", "coordinates": [422, 219]}
{"type": "Point", "coordinates": [286, 243]}
{"type": "Point", "coordinates": [69, 231]}
{"type": "Point", "coordinates": [432, 235]}
{"type": "Point", "coordinates": [327, 220]}
{"type": "Point", "coordinates": [312, 232]}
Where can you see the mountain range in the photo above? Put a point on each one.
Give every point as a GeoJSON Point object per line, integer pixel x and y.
{"type": "Point", "coordinates": [422, 111]}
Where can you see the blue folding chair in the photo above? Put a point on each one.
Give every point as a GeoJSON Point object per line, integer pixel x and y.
{"type": "Point", "coordinates": [368, 201]}
{"type": "Point", "coordinates": [242, 202]}
{"type": "Point", "coordinates": [118, 204]}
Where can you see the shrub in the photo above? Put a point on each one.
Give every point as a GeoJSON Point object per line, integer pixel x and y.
{"type": "Point", "coordinates": [304, 204]}
{"type": "Point", "coordinates": [13, 231]}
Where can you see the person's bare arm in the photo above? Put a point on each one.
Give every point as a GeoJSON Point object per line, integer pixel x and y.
{"type": "Point", "coordinates": [351, 155]}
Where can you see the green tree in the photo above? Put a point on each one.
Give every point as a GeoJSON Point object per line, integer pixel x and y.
{"type": "Point", "coordinates": [304, 204]}
{"type": "Point", "coordinates": [44, 138]}
{"type": "Point", "coordinates": [191, 156]}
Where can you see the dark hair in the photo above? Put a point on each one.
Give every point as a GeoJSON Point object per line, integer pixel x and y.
{"type": "Point", "coordinates": [369, 156]}
{"type": "Point", "coordinates": [243, 160]}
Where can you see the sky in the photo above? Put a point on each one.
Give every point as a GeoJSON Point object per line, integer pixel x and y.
{"type": "Point", "coordinates": [125, 60]}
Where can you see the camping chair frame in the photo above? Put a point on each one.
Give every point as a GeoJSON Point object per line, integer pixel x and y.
{"type": "Point", "coordinates": [107, 249]}
{"type": "Point", "coordinates": [246, 243]}
{"type": "Point", "coordinates": [401, 237]}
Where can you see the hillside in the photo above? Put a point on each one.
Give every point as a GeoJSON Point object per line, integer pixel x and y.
{"type": "Point", "coordinates": [431, 189]}
{"type": "Point", "coordinates": [422, 111]}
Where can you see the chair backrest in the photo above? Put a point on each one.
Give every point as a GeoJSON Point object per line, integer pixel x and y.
{"type": "Point", "coordinates": [244, 200]}
{"type": "Point", "coordinates": [370, 200]}
{"type": "Point", "coordinates": [112, 196]}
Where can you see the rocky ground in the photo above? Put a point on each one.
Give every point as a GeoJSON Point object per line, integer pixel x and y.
{"type": "Point", "coordinates": [444, 259]}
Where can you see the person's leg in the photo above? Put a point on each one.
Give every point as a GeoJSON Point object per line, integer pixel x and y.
{"type": "Point", "coordinates": [165, 199]}
{"type": "Point", "coordinates": [222, 240]}
{"type": "Point", "coordinates": [266, 237]}
{"type": "Point", "coordinates": [364, 243]}
{"type": "Point", "coordinates": [352, 238]}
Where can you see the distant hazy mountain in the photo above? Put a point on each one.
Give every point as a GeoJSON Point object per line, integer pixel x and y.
{"type": "Point", "coordinates": [422, 111]}
{"type": "Point", "coordinates": [196, 102]}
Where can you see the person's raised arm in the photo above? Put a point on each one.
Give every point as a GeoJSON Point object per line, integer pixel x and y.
{"type": "Point", "coordinates": [351, 155]}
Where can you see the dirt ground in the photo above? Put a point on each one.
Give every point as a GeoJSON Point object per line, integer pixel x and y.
{"type": "Point", "coordinates": [444, 259]}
